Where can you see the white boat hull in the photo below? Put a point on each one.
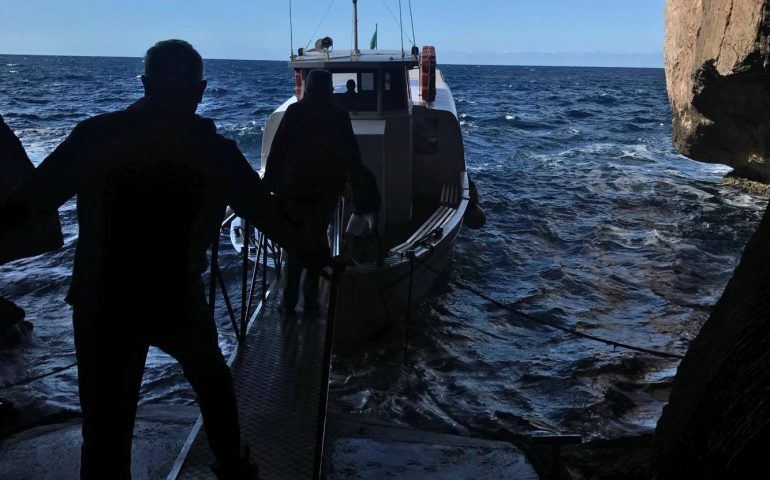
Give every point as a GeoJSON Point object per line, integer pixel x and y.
{"type": "Point", "coordinates": [371, 298]}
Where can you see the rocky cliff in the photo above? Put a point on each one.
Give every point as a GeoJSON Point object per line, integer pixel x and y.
{"type": "Point", "coordinates": [717, 421]}
{"type": "Point", "coordinates": [717, 60]}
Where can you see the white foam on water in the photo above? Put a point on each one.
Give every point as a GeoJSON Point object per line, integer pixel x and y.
{"type": "Point", "coordinates": [639, 151]}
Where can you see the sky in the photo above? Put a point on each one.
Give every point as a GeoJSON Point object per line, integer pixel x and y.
{"type": "Point", "coordinates": [520, 32]}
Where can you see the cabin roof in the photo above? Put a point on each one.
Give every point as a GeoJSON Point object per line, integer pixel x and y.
{"type": "Point", "coordinates": [345, 60]}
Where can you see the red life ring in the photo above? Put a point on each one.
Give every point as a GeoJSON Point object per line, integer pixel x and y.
{"type": "Point", "coordinates": [298, 84]}
{"type": "Point", "coordinates": [428, 74]}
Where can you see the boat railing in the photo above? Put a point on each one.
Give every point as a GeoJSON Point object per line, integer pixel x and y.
{"type": "Point", "coordinates": [255, 249]}
{"type": "Point", "coordinates": [338, 228]}
{"type": "Point", "coordinates": [261, 252]}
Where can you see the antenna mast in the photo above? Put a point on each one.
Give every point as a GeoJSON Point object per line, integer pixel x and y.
{"type": "Point", "coordinates": [401, 26]}
{"type": "Point", "coordinates": [291, 33]}
{"type": "Point", "coordinates": [356, 51]}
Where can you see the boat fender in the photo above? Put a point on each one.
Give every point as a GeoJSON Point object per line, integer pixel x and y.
{"type": "Point", "coordinates": [360, 225]}
{"type": "Point", "coordinates": [475, 216]}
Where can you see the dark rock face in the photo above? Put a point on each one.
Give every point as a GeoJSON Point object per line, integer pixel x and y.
{"type": "Point", "coordinates": [717, 59]}
{"type": "Point", "coordinates": [13, 327]}
{"type": "Point", "coordinates": [717, 422]}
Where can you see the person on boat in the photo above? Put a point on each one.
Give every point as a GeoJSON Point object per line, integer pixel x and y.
{"type": "Point", "coordinates": [313, 154]}
{"type": "Point", "coordinates": [152, 184]}
{"type": "Point", "coordinates": [350, 98]}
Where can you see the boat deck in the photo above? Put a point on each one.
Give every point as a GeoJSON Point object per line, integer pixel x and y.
{"type": "Point", "coordinates": [277, 374]}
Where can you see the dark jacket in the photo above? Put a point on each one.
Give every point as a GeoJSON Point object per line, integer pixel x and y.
{"type": "Point", "coordinates": [37, 235]}
{"type": "Point", "coordinates": [151, 193]}
{"type": "Point", "coordinates": [313, 155]}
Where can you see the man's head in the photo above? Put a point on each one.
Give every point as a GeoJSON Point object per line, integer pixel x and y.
{"type": "Point", "coordinates": [173, 76]}
{"type": "Point", "coordinates": [318, 85]}
{"type": "Point", "coordinates": [351, 86]}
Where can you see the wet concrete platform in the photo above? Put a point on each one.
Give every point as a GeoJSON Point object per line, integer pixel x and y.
{"type": "Point", "coordinates": [363, 448]}
{"type": "Point", "coordinates": [52, 452]}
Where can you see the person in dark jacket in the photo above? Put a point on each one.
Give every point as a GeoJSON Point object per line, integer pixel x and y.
{"type": "Point", "coordinates": [152, 184]}
{"type": "Point", "coordinates": [33, 237]}
{"type": "Point", "coordinates": [313, 155]}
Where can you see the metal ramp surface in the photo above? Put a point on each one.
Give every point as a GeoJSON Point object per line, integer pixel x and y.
{"type": "Point", "coordinates": [278, 374]}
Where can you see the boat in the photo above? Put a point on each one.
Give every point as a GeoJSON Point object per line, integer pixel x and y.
{"type": "Point", "coordinates": [408, 131]}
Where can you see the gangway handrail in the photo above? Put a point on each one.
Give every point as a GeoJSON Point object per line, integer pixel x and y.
{"type": "Point", "coordinates": [264, 246]}
{"type": "Point", "coordinates": [336, 248]}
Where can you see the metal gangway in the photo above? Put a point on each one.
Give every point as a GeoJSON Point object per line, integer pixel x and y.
{"type": "Point", "coordinates": [280, 369]}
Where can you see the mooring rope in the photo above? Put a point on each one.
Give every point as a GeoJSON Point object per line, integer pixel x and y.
{"type": "Point", "coordinates": [411, 17]}
{"type": "Point", "coordinates": [400, 24]}
{"type": "Point", "coordinates": [461, 286]}
{"type": "Point", "coordinates": [571, 331]}
{"type": "Point", "coordinates": [331, 4]}
{"type": "Point", "coordinates": [37, 377]}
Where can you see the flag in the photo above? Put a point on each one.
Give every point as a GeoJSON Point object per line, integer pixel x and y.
{"type": "Point", "coordinates": [373, 41]}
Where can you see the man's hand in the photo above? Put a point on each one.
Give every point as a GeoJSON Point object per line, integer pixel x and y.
{"type": "Point", "coordinates": [13, 213]}
{"type": "Point", "coordinates": [311, 252]}
{"type": "Point", "coordinates": [334, 270]}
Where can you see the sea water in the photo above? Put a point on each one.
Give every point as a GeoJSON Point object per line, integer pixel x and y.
{"type": "Point", "coordinates": [593, 222]}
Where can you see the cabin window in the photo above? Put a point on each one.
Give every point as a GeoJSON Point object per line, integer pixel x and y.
{"type": "Point", "coordinates": [367, 92]}
{"type": "Point", "coordinates": [394, 91]}
{"type": "Point", "coordinates": [364, 95]}
{"type": "Point", "coordinates": [367, 81]}
{"type": "Point", "coordinates": [375, 90]}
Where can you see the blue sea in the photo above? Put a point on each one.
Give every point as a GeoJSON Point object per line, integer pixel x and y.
{"type": "Point", "coordinates": [594, 222]}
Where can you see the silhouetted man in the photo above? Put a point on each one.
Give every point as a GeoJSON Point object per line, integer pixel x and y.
{"type": "Point", "coordinates": [313, 154]}
{"type": "Point", "coordinates": [152, 183]}
{"type": "Point", "coordinates": [350, 97]}
{"type": "Point", "coordinates": [33, 237]}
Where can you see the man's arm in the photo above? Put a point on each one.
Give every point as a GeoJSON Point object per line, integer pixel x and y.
{"type": "Point", "coordinates": [51, 184]}
{"type": "Point", "coordinates": [250, 198]}
{"type": "Point", "coordinates": [16, 166]}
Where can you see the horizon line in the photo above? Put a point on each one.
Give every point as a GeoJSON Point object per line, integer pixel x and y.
{"type": "Point", "coordinates": [457, 64]}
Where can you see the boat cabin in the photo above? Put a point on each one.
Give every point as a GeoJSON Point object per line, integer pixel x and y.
{"type": "Point", "coordinates": [380, 108]}
{"type": "Point", "coordinates": [409, 139]}
{"type": "Point", "coordinates": [381, 80]}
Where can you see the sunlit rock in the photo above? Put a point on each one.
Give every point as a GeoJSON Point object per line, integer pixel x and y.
{"type": "Point", "coordinates": [718, 80]}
